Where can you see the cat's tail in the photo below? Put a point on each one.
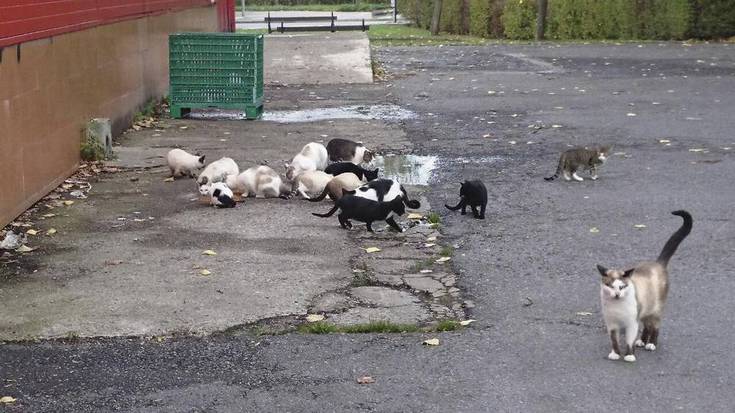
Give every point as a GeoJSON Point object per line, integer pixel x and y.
{"type": "Point", "coordinates": [321, 196]}
{"type": "Point", "coordinates": [673, 243]}
{"type": "Point", "coordinates": [328, 214]}
{"type": "Point", "coordinates": [559, 169]}
{"type": "Point", "coordinates": [411, 203]}
{"type": "Point", "coordinates": [454, 208]}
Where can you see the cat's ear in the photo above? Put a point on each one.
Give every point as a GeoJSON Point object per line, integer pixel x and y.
{"type": "Point", "coordinates": [286, 165]}
{"type": "Point", "coordinates": [602, 270]}
{"type": "Point", "coordinates": [201, 159]}
{"type": "Point", "coordinates": [461, 184]}
{"type": "Point", "coordinates": [628, 273]}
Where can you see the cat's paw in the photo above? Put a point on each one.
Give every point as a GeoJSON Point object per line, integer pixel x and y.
{"type": "Point", "coordinates": [639, 343]}
{"type": "Point", "coordinates": [651, 347]}
{"type": "Point", "coordinates": [629, 358]}
{"type": "Point", "coordinates": [594, 178]}
{"type": "Point", "coordinates": [613, 356]}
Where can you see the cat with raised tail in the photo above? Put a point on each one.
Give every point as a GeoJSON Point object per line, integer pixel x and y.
{"type": "Point", "coordinates": [365, 210]}
{"type": "Point", "coordinates": [637, 296]}
{"type": "Point", "coordinates": [576, 159]}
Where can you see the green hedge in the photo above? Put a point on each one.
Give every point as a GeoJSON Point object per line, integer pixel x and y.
{"type": "Point", "coordinates": [582, 19]}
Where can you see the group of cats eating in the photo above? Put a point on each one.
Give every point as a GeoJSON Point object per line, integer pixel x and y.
{"type": "Point", "coordinates": [630, 298]}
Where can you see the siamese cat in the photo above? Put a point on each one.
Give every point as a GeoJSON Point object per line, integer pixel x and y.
{"type": "Point", "coordinates": [313, 157]}
{"type": "Point", "coordinates": [474, 194]}
{"type": "Point", "coordinates": [385, 190]}
{"type": "Point", "coordinates": [575, 159]}
{"type": "Point", "coordinates": [182, 163]}
{"type": "Point", "coordinates": [346, 181]}
{"type": "Point", "coordinates": [343, 167]}
{"type": "Point", "coordinates": [221, 195]}
{"type": "Point", "coordinates": [310, 183]}
{"type": "Point", "coordinates": [259, 181]}
{"type": "Point", "coordinates": [348, 151]}
{"type": "Point", "coordinates": [217, 171]}
{"type": "Point", "coordinates": [367, 211]}
{"type": "Point", "coordinates": [637, 296]}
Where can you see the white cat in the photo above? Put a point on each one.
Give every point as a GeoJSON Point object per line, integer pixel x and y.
{"type": "Point", "coordinates": [216, 171]}
{"type": "Point", "coordinates": [181, 163]}
{"type": "Point", "coordinates": [310, 183]}
{"type": "Point", "coordinates": [313, 157]}
{"type": "Point", "coordinates": [259, 181]}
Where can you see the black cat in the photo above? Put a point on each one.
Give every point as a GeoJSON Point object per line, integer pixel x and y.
{"type": "Point", "coordinates": [365, 210]}
{"type": "Point", "coordinates": [474, 194]}
{"type": "Point", "coordinates": [342, 167]}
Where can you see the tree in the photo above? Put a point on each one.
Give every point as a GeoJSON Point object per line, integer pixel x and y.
{"type": "Point", "coordinates": [543, 6]}
{"type": "Point", "coordinates": [436, 17]}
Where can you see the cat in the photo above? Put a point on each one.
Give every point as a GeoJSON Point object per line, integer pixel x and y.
{"type": "Point", "coordinates": [347, 181]}
{"type": "Point", "coordinates": [259, 181]}
{"type": "Point", "coordinates": [474, 194]}
{"type": "Point", "coordinates": [385, 190]}
{"type": "Point", "coordinates": [217, 171]}
{"type": "Point", "coordinates": [310, 183]}
{"type": "Point", "coordinates": [365, 210]}
{"type": "Point", "coordinates": [313, 157]}
{"type": "Point", "coordinates": [221, 195]}
{"type": "Point", "coordinates": [572, 160]}
{"type": "Point", "coordinates": [638, 295]}
{"type": "Point", "coordinates": [348, 151]}
{"type": "Point", "coordinates": [362, 173]}
{"type": "Point", "coordinates": [182, 163]}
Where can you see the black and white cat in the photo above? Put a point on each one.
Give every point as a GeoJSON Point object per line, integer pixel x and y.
{"type": "Point", "coordinates": [343, 167]}
{"type": "Point", "coordinates": [474, 194]}
{"type": "Point", "coordinates": [385, 190]}
{"type": "Point", "coordinates": [221, 195]}
{"type": "Point", "coordinates": [365, 210]}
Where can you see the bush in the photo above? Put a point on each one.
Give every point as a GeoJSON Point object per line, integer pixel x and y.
{"type": "Point", "coordinates": [451, 18]}
{"type": "Point", "coordinates": [519, 19]}
{"type": "Point", "coordinates": [417, 10]}
{"type": "Point", "coordinates": [712, 18]}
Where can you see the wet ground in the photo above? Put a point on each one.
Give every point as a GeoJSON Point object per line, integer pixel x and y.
{"type": "Point", "coordinates": [501, 114]}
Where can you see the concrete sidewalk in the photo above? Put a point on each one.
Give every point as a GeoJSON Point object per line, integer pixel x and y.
{"type": "Point", "coordinates": [128, 260]}
{"type": "Point", "coordinates": [317, 58]}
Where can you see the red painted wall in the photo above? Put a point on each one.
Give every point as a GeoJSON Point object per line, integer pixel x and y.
{"type": "Point", "coordinates": [24, 20]}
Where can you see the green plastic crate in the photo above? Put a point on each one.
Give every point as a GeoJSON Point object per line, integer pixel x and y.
{"type": "Point", "coordinates": [216, 70]}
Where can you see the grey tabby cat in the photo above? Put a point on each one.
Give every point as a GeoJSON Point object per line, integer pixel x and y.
{"type": "Point", "coordinates": [575, 159]}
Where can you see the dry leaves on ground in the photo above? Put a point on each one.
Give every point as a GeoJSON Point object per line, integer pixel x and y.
{"type": "Point", "coordinates": [431, 342]}
{"type": "Point", "coordinates": [365, 380]}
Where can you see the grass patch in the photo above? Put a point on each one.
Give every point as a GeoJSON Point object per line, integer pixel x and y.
{"type": "Point", "coordinates": [447, 325]}
{"type": "Point", "coordinates": [423, 265]}
{"type": "Point", "coordinates": [401, 35]}
{"type": "Point", "coordinates": [320, 327]}
{"type": "Point", "coordinates": [380, 327]}
{"type": "Point", "coordinates": [357, 6]}
{"type": "Point", "coordinates": [433, 218]}
{"type": "Point", "coordinates": [253, 31]}
{"type": "Point", "coordinates": [447, 251]}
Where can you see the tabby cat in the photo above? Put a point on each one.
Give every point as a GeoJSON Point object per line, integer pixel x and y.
{"type": "Point", "coordinates": [575, 159]}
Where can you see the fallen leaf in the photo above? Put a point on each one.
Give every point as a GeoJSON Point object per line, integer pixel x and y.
{"type": "Point", "coordinates": [639, 226]}
{"type": "Point", "coordinates": [358, 271]}
{"type": "Point", "coordinates": [208, 252]}
{"type": "Point", "coordinates": [67, 186]}
{"type": "Point", "coordinates": [31, 232]}
{"type": "Point", "coordinates": [113, 262]}
{"type": "Point", "coordinates": [487, 135]}
{"type": "Point", "coordinates": [169, 179]}
{"type": "Point", "coordinates": [205, 272]}
{"type": "Point", "coordinates": [466, 322]}
{"type": "Point", "coordinates": [67, 203]}
{"type": "Point", "coordinates": [414, 216]}
{"type": "Point", "coordinates": [365, 380]}
{"type": "Point", "coordinates": [49, 215]}
{"type": "Point", "coordinates": [664, 141]}
{"type": "Point", "coordinates": [696, 150]}
{"type": "Point", "coordinates": [426, 271]}
{"type": "Point", "coordinates": [512, 142]}
{"type": "Point", "coordinates": [631, 114]}
{"type": "Point", "coordinates": [183, 127]}
{"type": "Point", "coordinates": [556, 126]}
{"type": "Point", "coordinates": [7, 399]}
{"type": "Point", "coordinates": [431, 342]}
{"type": "Point", "coordinates": [594, 230]}
{"type": "Point", "coordinates": [313, 318]}
{"type": "Point", "coordinates": [429, 245]}
{"type": "Point", "coordinates": [371, 250]}
{"type": "Point", "coordinates": [583, 313]}
{"type": "Point", "coordinates": [443, 259]}
{"type": "Point", "coordinates": [24, 248]}
{"type": "Point", "coordinates": [51, 231]}
{"type": "Point", "coordinates": [431, 239]}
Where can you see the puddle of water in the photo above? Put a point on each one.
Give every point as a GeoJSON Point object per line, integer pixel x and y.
{"type": "Point", "coordinates": [406, 169]}
{"type": "Point", "coordinates": [484, 159]}
{"type": "Point", "coordinates": [382, 112]}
